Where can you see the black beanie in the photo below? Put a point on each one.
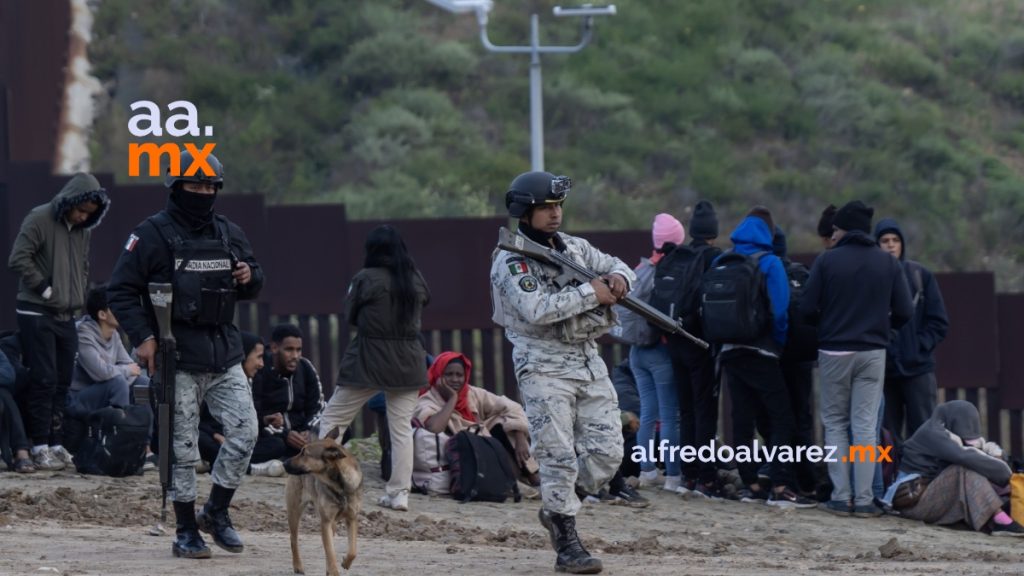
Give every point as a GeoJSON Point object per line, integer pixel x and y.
{"type": "Point", "coordinates": [249, 341]}
{"type": "Point", "coordinates": [854, 215]}
{"type": "Point", "coordinates": [779, 243]}
{"type": "Point", "coordinates": [704, 222]}
{"type": "Point", "coordinates": [825, 223]}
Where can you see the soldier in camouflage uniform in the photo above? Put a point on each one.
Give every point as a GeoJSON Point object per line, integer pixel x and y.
{"type": "Point", "coordinates": [569, 400]}
{"type": "Point", "coordinates": [210, 263]}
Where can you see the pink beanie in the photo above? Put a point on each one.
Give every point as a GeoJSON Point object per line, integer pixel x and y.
{"type": "Point", "coordinates": [667, 229]}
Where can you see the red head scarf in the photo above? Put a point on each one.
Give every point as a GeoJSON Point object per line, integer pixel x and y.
{"type": "Point", "coordinates": [437, 370]}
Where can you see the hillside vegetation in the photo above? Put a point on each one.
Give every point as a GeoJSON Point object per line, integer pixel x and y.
{"type": "Point", "coordinates": [395, 109]}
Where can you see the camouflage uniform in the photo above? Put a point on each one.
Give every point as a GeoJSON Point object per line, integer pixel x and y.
{"type": "Point", "coordinates": [230, 401]}
{"type": "Point", "coordinates": [570, 403]}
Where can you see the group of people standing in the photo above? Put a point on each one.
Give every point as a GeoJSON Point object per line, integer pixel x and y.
{"type": "Point", "coordinates": [875, 319]}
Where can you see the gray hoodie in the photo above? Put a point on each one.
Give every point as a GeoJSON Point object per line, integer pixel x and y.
{"type": "Point", "coordinates": [939, 443]}
{"type": "Point", "coordinates": [99, 360]}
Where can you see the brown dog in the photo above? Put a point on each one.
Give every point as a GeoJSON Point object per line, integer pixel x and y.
{"type": "Point", "coordinates": [329, 476]}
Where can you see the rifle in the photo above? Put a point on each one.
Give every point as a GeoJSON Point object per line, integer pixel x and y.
{"type": "Point", "coordinates": [574, 274]}
{"type": "Point", "coordinates": [161, 295]}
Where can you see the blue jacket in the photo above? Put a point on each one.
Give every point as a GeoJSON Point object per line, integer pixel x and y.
{"type": "Point", "coordinates": [751, 236]}
{"type": "Point", "coordinates": [911, 350]}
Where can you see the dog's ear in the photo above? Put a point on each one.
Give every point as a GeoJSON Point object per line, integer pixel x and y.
{"type": "Point", "coordinates": [333, 453]}
{"type": "Point", "coordinates": [334, 433]}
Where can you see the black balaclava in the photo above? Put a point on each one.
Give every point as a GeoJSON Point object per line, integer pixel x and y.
{"type": "Point", "coordinates": [537, 235]}
{"type": "Point", "coordinates": [197, 207]}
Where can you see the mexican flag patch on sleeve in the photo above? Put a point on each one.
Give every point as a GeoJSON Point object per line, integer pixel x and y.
{"type": "Point", "coordinates": [518, 268]}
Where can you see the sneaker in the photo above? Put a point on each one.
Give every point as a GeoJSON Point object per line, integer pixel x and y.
{"type": "Point", "coordinates": [1013, 529]}
{"type": "Point", "coordinates": [789, 499]}
{"type": "Point", "coordinates": [150, 463]}
{"type": "Point", "coordinates": [753, 496]}
{"type": "Point", "coordinates": [712, 491]}
{"type": "Point", "coordinates": [202, 467]}
{"type": "Point", "coordinates": [836, 507]}
{"type": "Point", "coordinates": [651, 478]}
{"type": "Point", "coordinates": [867, 511]}
{"type": "Point", "coordinates": [631, 497]}
{"type": "Point", "coordinates": [686, 487]}
{"type": "Point", "coordinates": [45, 461]}
{"type": "Point", "coordinates": [673, 483]}
{"type": "Point", "coordinates": [63, 455]}
{"type": "Point", "coordinates": [272, 468]}
{"type": "Point", "coordinates": [602, 495]}
{"type": "Point", "coordinates": [527, 491]}
{"type": "Point", "coordinates": [397, 501]}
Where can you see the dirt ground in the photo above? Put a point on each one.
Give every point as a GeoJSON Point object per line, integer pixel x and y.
{"type": "Point", "coordinates": [69, 524]}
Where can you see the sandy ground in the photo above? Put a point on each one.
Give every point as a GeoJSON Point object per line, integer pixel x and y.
{"type": "Point", "coordinates": [66, 523]}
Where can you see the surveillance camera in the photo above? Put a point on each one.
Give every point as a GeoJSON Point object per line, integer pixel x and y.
{"type": "Point", "coordinates": [585, 10]}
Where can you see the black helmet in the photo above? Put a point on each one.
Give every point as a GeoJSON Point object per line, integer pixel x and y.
{"type": "Point", "coordinates": [532, 188]}
{"type": "Point", "coordinates": [200, 177]}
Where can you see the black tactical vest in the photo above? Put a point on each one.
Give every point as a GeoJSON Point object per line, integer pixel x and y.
{"type": "Point", "coordinates": [204, 290]}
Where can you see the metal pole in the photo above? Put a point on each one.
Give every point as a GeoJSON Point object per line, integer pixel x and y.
{"type": "Point", "coordinates": [536, 99]}
{"type": "Point", "coordinates": [483, 7]}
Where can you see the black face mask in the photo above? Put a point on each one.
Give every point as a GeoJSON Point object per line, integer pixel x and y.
{"type": "Point", "coordinates": [547, 239]}
{"type": "Point", "coordinates": [196, 205]}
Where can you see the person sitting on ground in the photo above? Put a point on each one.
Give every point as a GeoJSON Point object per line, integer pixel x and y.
{"type": "Point", "coordinates": [211, 432]}
{"type": "Point", "coordinates": [288, 397]}
{"type": "Point", "coordinates": [12, 428]}
{"type": "Point", "coordinates": [451, 404]}
{"type": "Point", "coordinates": [963, 476]}
{"type": "Point", "coordinates": [104, 372]}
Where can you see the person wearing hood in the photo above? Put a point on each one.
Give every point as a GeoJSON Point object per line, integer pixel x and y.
{"type": "Point", "coordinates": [910, 384]}
{"type": "Point", "coordinates": [856, 293]}
{"type": "Point", "coordinates": [752, 368]}
{"type": "Point", "coordinates": [563, 381]}
{"type": "Point", "coordinates": [51, 257]}
{"type": "Point", "coordinates": [958, 475]}
{"type": "Point", "coordinates": [209, 262]}
{"type": "Point", "coordinates": [451, 404]}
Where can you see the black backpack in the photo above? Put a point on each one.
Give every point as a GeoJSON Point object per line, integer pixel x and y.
{"type": "Point", "coordinates": [802, 339]}
{"type": "Point", "coordinates": [676, 291]}
{"type": "Point", "coordinates": [734, 305]}
{"type": "Point", "coordinates": [116, 441]}
{"type": "Point", "coordinates": [481, 468]}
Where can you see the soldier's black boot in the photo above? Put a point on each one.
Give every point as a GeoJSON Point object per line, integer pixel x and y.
{"type": "Point", "coordinates": [189, 543]}
{"type": "Point", "coordinates": [572, 556]}
{"type": "Point", "coordinates": [214, 520]}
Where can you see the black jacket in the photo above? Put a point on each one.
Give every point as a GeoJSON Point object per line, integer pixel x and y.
{"type": "Point", "coordinates": [148, 258]}
{"type": "Point", "coordinates": [855, 295]}
{"type": "Point", "coordinates": [297, 396]}
{"type": "Point", "coordinates": [911, 350]}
